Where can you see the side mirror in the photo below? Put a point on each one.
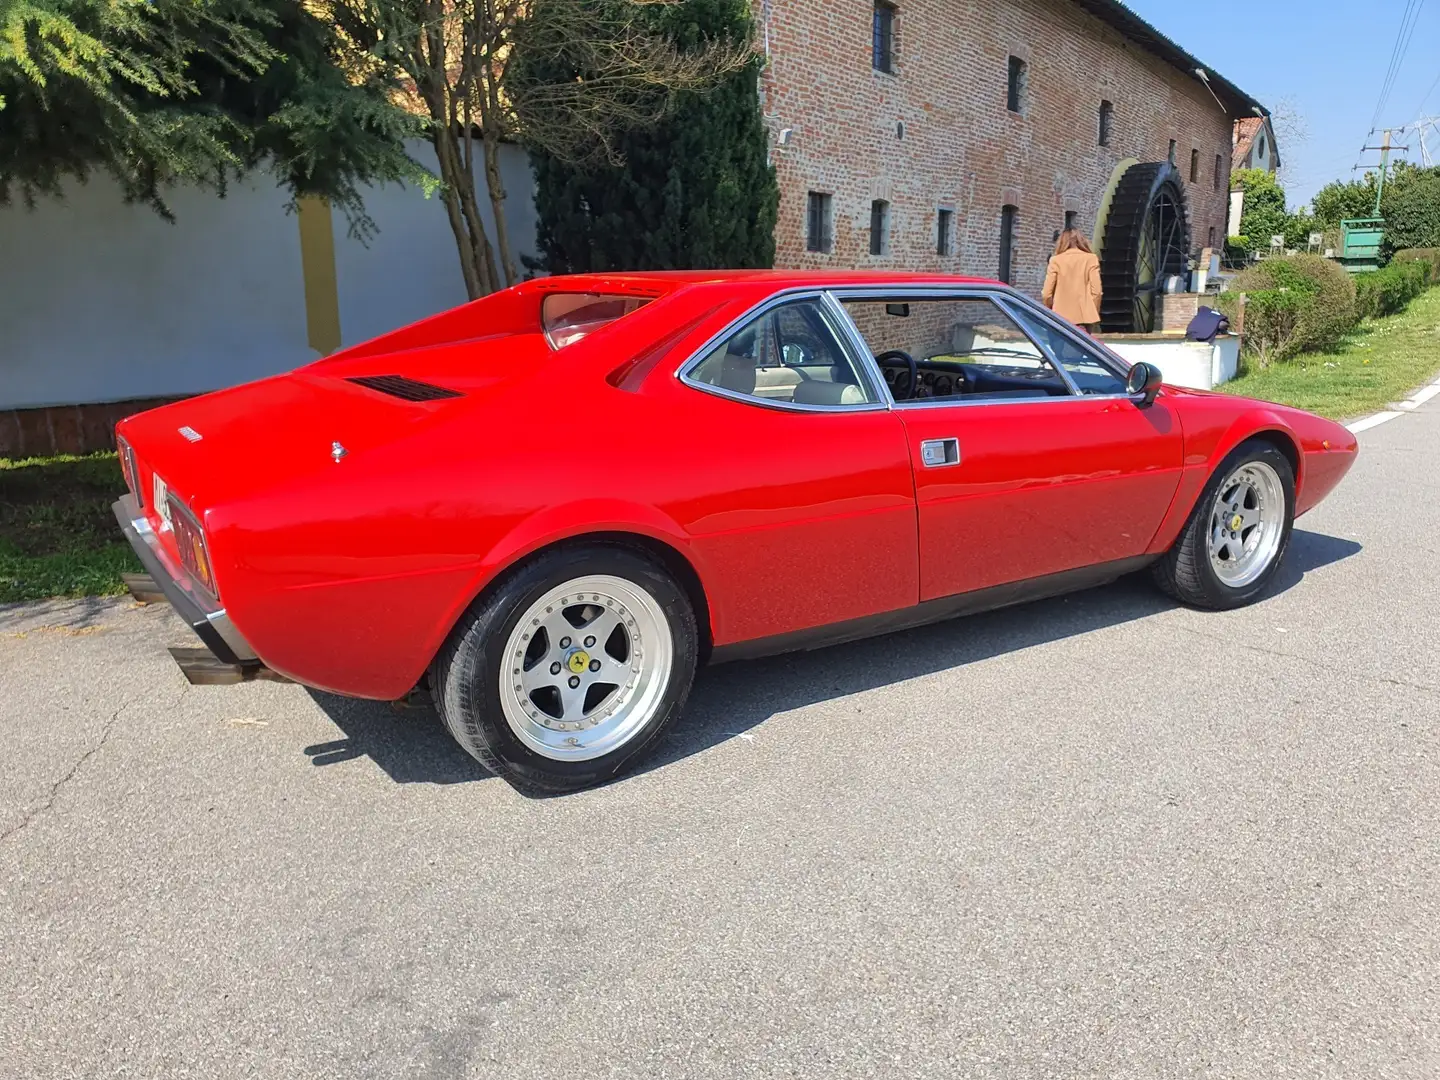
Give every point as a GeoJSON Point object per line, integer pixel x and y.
{"type": "Point", "coordinates": [1143, 383]}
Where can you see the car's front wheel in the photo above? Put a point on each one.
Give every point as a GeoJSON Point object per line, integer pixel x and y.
{"type": "Point", "coordinates": [570, 669]}
{"type": "Point", "coordinates": [1233, 543]}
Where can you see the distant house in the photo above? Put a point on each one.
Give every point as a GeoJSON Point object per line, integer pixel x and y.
{"type": "Point", "coordinates": [1253, 145]}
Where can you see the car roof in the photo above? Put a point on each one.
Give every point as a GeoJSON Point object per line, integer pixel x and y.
{"type": "Point", "coordinates": [670, 280]}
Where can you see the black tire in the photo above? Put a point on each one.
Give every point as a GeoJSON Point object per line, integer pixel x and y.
{"type": "Point", "coordinates": [465, 677]}
{"type": "Point", "coordinates": [1185, 571]}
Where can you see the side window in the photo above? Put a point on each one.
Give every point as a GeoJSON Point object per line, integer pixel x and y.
{"type": "Point", "coordinates": [966, 348]}
{"type": "Point", "coordinates": [1090, 373]}
{"type": "Point", "coordinates": [791, 353]}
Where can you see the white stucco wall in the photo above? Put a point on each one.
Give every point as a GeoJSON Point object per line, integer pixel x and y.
{"type": "Point", "coordinates": [100, 301]}
{"type": "Point", "coordinates": [412, 269]}
{"type": "Point", "coordinates": [1197, 364]}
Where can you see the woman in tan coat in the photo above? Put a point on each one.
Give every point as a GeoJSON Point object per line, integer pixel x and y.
{"type": "Point", "coordinates": [1072, 283]}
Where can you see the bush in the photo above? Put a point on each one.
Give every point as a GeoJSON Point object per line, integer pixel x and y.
{"type": "Point", "coordinates": [1388, 291]}
{"type": "Point", "coordinates": [1271, 319]}
{"type": "Point", "coordinates": [1412, 210]}
{"type": "Point", "coordinates": [1423, 255]}
{"type": "Point", "coordinates": [1317, 310]}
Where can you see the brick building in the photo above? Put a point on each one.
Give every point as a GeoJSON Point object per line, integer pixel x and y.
{"type": "Point", "coordinates": [960, 135]}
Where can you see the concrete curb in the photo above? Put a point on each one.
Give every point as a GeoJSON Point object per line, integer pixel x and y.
{"type": "Point", "coordinates": [1397, 408]}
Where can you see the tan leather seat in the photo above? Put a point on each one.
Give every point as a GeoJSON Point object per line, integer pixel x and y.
{"type": "Point", "coordinates": [730, 370]}
{"type": "Point", "coordinates": [737, 373]}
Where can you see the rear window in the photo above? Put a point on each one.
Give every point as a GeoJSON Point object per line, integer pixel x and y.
{"type": "Point", "coordinates": [568, 317]}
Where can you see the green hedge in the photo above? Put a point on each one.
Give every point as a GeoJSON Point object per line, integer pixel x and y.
{"type": "Point", "coordinates": [1422, 255]}
{"type": "Point", "coordinates": [1388, 291]}
{"type": "Point", "coordinates": [1300, 303]}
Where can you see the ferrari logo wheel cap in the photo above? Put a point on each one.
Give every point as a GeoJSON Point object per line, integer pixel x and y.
{"type": "Point", "coordinates": [1236, 522]}
{"type": "Point", "coordinates": [579, 661]}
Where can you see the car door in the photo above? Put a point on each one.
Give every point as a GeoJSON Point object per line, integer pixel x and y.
{"type": "Point", "coordinates": [1018, 473]}
{"type": "Point", "coordinates": [797, 494]}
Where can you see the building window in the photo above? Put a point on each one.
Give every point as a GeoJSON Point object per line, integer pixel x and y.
{"type": "Point", "coordinates": [1210, 243]}
{"type": "Point", "coordinates": [1170, 155]}
{"type": "Point", "coordinates": [1107, 122]}
{"type": "Point", "coordinates": [944, 230]}
{"type": "Point", "coordinates": [1015, 88]}
{"type": "Point", "coordinates": [1008, 217]}
{"type": "Point", "coordinates": [817, 223]}
{"type": "Point", "coordinates": [879, 227]}
{"type": "Point", "coordinates": [1219, 171]}
{"type": "Point", "coordinates": [883, 38]}
{"type": "Point", "coordinates": [1260, 148]}
{"type": "Point", "coordinates": [1069, 220]}
{"type": "Point", "coordinates": [1194, 166]}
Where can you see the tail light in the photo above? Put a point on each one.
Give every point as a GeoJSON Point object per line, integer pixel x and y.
{"type": "Point", "coordinates": [132, 474]}
{"type": "Point", "coordinates": [190, 542]}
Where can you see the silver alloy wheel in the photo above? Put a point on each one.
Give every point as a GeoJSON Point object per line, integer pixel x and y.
{"type": "Point", "coordinates": [1246, 524]}
{"type": "Point", "coordinates": [586, 668]}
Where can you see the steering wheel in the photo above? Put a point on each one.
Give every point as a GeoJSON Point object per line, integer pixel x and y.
{"type": "Point", "coordinates": [912, 387]}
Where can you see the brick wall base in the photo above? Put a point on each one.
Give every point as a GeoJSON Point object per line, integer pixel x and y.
{"type": "Point", "coordinates": [1176, 310]}
{"type": "Point", "coordinates": [66, 429]}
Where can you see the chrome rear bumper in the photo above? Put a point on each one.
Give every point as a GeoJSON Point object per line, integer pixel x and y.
{"type": "Point", "coordinates": [207, 619]}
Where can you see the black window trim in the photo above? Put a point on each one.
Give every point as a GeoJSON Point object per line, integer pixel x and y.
{"type": "Point", "coordinates": [1009, 227]}
{"type": "Point", "coordinates": [890, 11]}
{"type": "Point", "coordinates": [826, 202]}
{"type": "Point", "coordinates": [880, 240]}
{"type": "Point", "coordinates": [1017, 74]}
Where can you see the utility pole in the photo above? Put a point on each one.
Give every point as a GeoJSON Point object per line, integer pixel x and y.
{"type": "Point", "coordinates": [1385, 147]}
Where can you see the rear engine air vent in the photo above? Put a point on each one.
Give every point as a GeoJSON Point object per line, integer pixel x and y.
{"type": "Point", "coordinates": [406, 389]}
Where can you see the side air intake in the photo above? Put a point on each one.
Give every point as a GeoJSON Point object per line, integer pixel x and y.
{"type": "Point", "coordinates": [405, 389]}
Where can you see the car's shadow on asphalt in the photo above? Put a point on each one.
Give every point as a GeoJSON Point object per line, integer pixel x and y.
{"type": "Point", "coordinates": [411, 745]}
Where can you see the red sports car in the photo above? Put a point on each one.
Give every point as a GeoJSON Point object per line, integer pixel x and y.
{"type": "Point", "coordinates": [551, 504]}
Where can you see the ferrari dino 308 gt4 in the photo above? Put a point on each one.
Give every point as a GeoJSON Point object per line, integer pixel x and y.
{"type": "Point", "coordinates": [549, 505]}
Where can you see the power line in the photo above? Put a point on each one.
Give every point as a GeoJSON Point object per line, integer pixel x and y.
{"type": "Point", "coordinates": [1426, 100]}
{"type": "Point", "coordinates": [1408, 20]}
{"type": "Point", "coordinates": [1390, 65]}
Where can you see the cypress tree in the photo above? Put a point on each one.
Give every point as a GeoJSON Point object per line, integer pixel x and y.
{"type": "Point", "coordinates": [693, 191]}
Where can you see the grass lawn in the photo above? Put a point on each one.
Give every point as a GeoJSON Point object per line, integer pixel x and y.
{"type": "Point", "coordinates": [57, 534]}
{"type": "Point", "coordinates": [1380, 362]}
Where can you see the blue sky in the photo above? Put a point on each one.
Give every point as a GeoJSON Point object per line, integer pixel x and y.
{"type": "Point", "coordinates": [1329, 57]}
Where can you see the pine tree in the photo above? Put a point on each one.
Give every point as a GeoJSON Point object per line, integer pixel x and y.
{"type": "Point", "coordinates": [164, 92]}
{"type": "Point", "coordinates": [693, 191]}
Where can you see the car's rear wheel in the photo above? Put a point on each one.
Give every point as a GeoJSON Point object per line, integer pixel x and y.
{"type": "Point", "coordinates": [1235, 539]}
{"type": "Point", "coordinates": [570, 669]}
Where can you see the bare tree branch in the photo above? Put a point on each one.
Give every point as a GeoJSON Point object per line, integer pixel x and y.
{"type": "Point", "coordinates": [566, 77]}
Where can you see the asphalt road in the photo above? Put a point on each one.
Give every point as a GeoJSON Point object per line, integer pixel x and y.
{"type": "Point", "coordinates": [1095, 837]}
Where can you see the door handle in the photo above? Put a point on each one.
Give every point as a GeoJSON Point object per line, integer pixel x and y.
{"type": "Point", "coordinates": [937, 453]}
